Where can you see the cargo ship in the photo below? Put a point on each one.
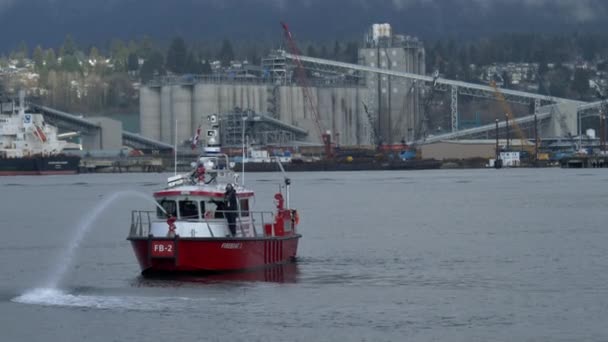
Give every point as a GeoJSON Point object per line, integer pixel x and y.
{"type": "Point", "coordinates": [29, 146]}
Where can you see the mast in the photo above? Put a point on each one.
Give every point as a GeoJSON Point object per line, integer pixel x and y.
{"type": "Point", "coordinates": [21, 102]}
{"type": "Point", "coordinates": [243, 160]}
{"type": "Point", "coordinates": [175, 150]}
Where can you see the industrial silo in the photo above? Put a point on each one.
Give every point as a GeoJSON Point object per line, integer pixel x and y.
{"type": "Point", "coordinates": [181, 99]}
{"type": "Point", "coordinates": [394, 102]}
{"type": "Point", "coordinates": [149, 112]}
{"type": "Point", "coordinates": [166, 115]}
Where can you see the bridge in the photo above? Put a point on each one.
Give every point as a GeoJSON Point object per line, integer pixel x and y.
{"type": "Point", "coordinates": [559, 116]}
{"type": "Point", "coordinates": [98, 132]}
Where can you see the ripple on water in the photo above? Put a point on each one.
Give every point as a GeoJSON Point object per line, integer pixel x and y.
{"type": "Point", "coordinates": [56, 297]}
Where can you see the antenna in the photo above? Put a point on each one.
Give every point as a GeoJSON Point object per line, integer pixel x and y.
{"type": "Point", "coordinates": [175, 150]}
{"type": "Point", "coordinates": [21, 101]}
{"type": "Point", "coordinates": [287, 182]}
{"type": "Point", "coordinates": [243, 160]}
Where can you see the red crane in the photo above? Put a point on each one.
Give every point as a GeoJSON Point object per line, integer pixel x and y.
{"type": "Point", "coordinates": [302, 79]}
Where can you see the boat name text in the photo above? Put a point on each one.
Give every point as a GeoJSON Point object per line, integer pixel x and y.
{"type": "Point", "coordinates": [232, 245]}
{"type": "Point", "coordinates": [163, 248]}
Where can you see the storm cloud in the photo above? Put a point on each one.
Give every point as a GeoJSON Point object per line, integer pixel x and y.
{"type": "Point", "coordinates": [98, 21]}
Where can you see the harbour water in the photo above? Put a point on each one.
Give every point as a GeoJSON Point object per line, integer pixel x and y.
{"type": "Point", "coordinates": [458, 255]}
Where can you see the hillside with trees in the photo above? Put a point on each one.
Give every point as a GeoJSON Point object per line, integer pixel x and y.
{"type": "Point", "coordinates": [83, 78]}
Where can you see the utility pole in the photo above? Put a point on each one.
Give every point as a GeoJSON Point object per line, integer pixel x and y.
{"type": "Point", "coordinates": [603, 132]}
{"type": "Point", "coordinates": [580, 131]}
{"type": "Point", "coordinates": [507, 128]}
{"type": "Point", "coordinates": [390, 111]}
{"type": "Point", "coordinates": [497, 160]}
{"type": "Point", "coordinates": [535, 140]}
{"type": "Point", "coordinates": [379, 117]}
{"type": "Point", "coordinates": [497, 145]}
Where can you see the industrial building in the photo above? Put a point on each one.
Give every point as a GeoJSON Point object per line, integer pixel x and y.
{"type": "Point", "coordinates": [394, 103]}
{"type": "Point", "coordinates": [371, 109]}
{"type": "Point", "coordinates": [180, 107]}
{"type": "Point", "coordinates": [469, 149]}
{"type": "Point", "coordinates": [379, 100]}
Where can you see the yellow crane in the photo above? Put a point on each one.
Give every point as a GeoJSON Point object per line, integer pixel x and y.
{"type": "Point", "coordinates": [507, 109]}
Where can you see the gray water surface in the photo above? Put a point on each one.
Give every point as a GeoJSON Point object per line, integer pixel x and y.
{"type": "Point", "coordinates": [472, 255]}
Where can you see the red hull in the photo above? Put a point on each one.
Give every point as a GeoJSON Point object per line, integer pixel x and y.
{"type": "Point", "coordinates": [162, 255]}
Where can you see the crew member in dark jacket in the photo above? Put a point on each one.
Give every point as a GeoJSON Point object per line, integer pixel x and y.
{"type": "Point", "coordinates": [231, 208]}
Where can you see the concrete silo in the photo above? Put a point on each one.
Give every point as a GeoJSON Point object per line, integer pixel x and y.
{"type": "Point", "coordinates": [149, 109]}
{"type": "Point", "coordinates": [181, 101]}
{"type": "Point", "coordinates": [166, 115]}
{"type": "Point", "coordinates": [396, 102]}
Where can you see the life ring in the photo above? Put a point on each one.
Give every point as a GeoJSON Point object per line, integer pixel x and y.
{"type": "Point", "coordinates": [209, 214]}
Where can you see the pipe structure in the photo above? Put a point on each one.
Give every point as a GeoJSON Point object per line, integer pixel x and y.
{"type": "Point", "coordinates": [535, 140]}
{"type": "Point", "coordinates": [497, 145]}
{"type": "Point", "coordinates": [507, 134]}
{"type": "Point", "coordinates": [603, 132]}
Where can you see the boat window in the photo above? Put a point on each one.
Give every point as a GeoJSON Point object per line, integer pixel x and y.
{"type": "Point", "coordinates": [209, 210]}
{"type": "Point", "coordinates": [188, 210]}
{"type": "Point", "coordinates": [169, 207]}
{"type": "Point", "coordinates": [216, 207]}
{"type": "Point", "coordinates": [244, 207]}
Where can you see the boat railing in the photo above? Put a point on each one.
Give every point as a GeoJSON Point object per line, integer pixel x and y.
{"type": "Point", "coordinates": [141, 222]}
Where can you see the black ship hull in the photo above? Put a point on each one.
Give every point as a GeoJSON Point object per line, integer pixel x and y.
{"type": "Point", "coordinates": [424, 164]}
{"type": "Point", "coordinates": [39, 165]}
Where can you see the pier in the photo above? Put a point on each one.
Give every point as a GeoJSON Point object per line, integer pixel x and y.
{"type": "Point", "coordinates": [121, 164]}
{"type": "Point", "coordinates": [585, 162]}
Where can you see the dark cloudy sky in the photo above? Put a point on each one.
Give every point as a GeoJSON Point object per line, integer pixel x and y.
{"type": "Point", "coordinates": [47, 22]}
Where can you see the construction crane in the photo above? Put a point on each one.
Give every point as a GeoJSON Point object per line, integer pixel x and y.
{"type": "Point", "coordinates": [507, 109]}
{"type": "Point", "coordinates": [374, 132]}
{"type": "Point", "coordinates": [304, 84]}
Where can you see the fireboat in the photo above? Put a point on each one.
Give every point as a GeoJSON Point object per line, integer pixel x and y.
{"type": "Point", "coordinates": [204, 223]}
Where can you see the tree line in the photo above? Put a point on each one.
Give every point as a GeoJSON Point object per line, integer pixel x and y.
{"type": "Point", "coordinates": [95, 79]}
{"type": "Point", "coordinates": [454, 59]}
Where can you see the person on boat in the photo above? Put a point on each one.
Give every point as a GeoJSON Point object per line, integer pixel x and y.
{"type": "Point", "coordinates": [200, 173]}
{"type": "Point", "coordinates": [231, 208]}
{"type": "Point", "coordinates": [220, 207]}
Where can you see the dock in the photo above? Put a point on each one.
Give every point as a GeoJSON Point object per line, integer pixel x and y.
{"type": "Point", "coordinates": [121, 164]}
{"type": "Point", "coordinates": [585, 162]}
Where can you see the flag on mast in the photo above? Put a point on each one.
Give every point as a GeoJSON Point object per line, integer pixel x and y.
{"type": "Point", "coordinates": [196, 137]}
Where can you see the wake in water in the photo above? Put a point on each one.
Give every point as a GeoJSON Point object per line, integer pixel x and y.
{"type": "Point", "coordinates": [55, 297]}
